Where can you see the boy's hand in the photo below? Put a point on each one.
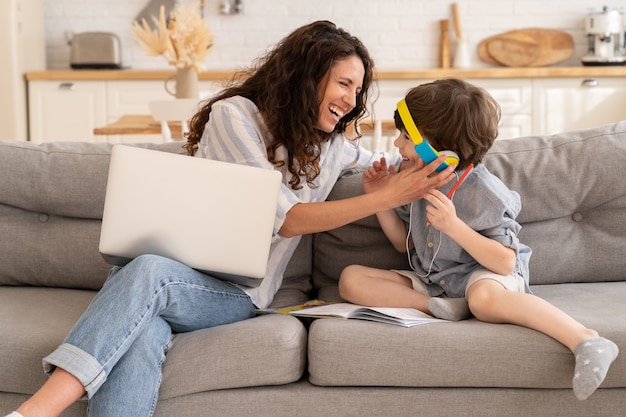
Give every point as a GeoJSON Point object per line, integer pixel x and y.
{"type": "Point", "coordinates": [377, 176]}
{"type": "Point", "coordinates": [440, 212]}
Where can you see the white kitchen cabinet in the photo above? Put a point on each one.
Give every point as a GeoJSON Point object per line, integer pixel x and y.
{"type": "Point", "coordinates": [515, 98]}
{"type": "Point", "coordinates": [513, 95]}
{"type": "Point", "coordinates": [66, 110]}
{"type": "Point", "coordinates": [132, 97]}
{"type": "Point", "coordinates": [533, 106]}
{"type": "Point", "coordinates": [533, 100]}
{"type": "Point", "coordinates": [566, 104]}
{"type": "Point", "coordinates": [69, 110]}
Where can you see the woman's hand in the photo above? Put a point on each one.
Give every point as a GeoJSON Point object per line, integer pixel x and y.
{"type": "Point", "coordinates": [412, 183]}
{"type": "Point", "coordinates": [399, 188]}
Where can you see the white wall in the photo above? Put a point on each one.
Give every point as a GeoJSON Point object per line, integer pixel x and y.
{"type": "Point", "coordinates": [400, 34]}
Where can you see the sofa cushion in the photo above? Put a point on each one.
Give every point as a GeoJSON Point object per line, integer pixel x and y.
{"type": "Point", "coordinates": [468, 353]}
{"type": "Point", "coordinates": [362, 242]}
{"type": "Point", "coordinates": [573, 201]}
{"type": "Point", "coordinates": [265, 350]}
{"type": "Point", "coordinates": [62, 178]}
{"type": "Point", "coordinates": [296, 285]}
{"type": "Point", "coordinates": [34, 321]}
{"type": "Point", "coordinates": [49, 250]}
{"type": "Point", "coordinates": [51, 201]}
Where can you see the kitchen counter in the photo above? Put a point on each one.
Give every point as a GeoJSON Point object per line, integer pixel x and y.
{"type": "Point", "coordinates": [538, 100]}
{"type": "Point", "coordinates": [506, 72]}
{"type": "Point", "coordinates": [123, 74]}
{"type": "Point", "coordinates": [432, 73]}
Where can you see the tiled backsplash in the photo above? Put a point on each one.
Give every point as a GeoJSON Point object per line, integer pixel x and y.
{"type": "Point", "coordinates": [400, 34]}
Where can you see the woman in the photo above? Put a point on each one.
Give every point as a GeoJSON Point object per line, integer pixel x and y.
{"type": "Point", "coordinates": [288, 114]}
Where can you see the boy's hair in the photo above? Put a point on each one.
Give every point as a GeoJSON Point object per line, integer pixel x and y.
{"type": "Point", "coordinates": [454, 115]}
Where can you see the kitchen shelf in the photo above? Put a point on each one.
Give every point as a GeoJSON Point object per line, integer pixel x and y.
{"type": "Point", "coordinates": [121, 75]}
{"type": "Point", "coordinates": [432, 73]}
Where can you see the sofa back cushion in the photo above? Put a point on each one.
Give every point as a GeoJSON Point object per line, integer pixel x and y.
{"type": "Point", "coordinates": [362, 242]}
{"type": "Point", "coordinates": [573, 210]}
{"type": "Point", "coordinates": [51, 201]}
{"type": "Point", "coordinates": [573, 201]}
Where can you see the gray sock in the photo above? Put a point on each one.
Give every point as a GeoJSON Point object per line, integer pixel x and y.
{"type": "Point", "coordinates": [593, 358]}
{"type": "Point", "coordinates": [453, 309]}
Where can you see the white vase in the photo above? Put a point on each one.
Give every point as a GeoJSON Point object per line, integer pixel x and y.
{"type": "Point", "coordinates": [186, 83]}
{"type": "Point", "coordinates": [462, 56]}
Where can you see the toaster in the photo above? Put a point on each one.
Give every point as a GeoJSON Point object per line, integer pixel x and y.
{"type": "Point", "coordinates": [95, 50]}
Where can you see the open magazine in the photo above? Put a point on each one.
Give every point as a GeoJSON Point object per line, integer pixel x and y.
{"type": "Point", "coordinates": [406, 317]}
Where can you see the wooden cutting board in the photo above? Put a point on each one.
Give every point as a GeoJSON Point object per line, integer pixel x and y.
{"type": "Point", "coordinates": [532, 47]}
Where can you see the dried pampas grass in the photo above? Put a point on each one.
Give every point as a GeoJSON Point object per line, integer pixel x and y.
{"type": "Point", "coordinates": [185, 40]}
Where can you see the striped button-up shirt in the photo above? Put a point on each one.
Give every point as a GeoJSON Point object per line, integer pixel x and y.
{"type": "Point", "coordinates": [236, 133]}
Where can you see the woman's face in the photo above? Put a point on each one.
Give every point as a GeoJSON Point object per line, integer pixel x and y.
{"type": "Point", "coordinates": [337, 92]}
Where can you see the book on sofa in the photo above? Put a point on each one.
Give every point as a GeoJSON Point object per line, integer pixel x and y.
{"type": "Point", "coordinates": [406, 317]}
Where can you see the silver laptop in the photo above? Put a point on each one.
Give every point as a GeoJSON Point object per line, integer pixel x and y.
{"type": "Point", "coordinates": [213, 216]}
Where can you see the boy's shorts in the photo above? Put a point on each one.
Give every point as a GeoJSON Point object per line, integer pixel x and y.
{"type": "Point", "coordinates": [513, 282]}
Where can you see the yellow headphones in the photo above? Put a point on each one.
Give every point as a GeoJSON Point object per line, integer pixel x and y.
{"type": "Point", "coordinates": [422, 147]}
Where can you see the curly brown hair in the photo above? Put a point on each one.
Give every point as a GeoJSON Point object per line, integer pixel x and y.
{"type": "Point", "coordinates": [284, 86]}
{"type": "Point", "coordinates": [454, 115]}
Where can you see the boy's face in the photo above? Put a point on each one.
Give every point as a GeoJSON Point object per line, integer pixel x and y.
{"type": "Point", "coordinates": [406, 147]}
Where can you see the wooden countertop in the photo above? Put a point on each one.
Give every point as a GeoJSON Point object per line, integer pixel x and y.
{"type": "Point", "coordinates": [432, 73]}
{"type": "Point", "coordinates": [135, 124]}
{"type": "Point", "coordinates": [505, 72]}
{"type": "Point", "coordinates": [123, 74]}
{"type": "Point", "coordinates": [144, 124]}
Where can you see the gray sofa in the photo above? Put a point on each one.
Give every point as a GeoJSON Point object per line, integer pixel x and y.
{"type": "Point", "coordinates": [574, 218]}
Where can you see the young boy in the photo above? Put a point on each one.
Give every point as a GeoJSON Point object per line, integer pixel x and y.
{"type": "Point", "coordinates": [465, 256]}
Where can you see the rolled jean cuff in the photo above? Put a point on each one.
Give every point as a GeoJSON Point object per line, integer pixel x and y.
{"type": "Point", "coordinates": [79, 363]}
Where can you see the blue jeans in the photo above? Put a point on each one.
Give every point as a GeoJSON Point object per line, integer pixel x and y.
{"type": "Point", "coordinates": [125, 333]}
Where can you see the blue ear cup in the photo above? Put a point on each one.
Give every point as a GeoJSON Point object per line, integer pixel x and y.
{"type": "Point", "coordinates": [422, 147]}
{"type": "Point", "coordinates": [429, 154]}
